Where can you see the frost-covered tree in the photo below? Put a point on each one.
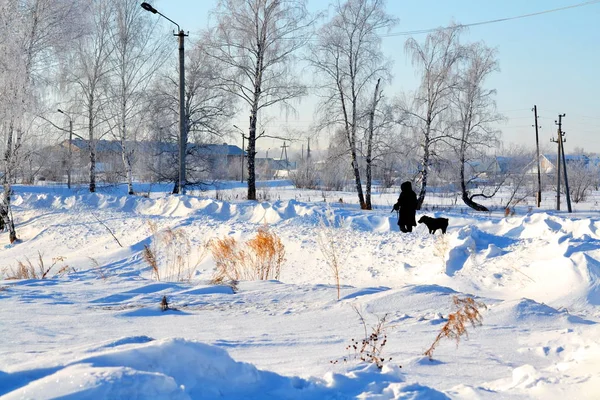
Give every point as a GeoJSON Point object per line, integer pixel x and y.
{"type": "Point", "coordinates": [255, 42]}
{"type": "Point", "coordinates": [31, 33]}
{"type": "Point", "coordinates": [436, 60]}
{"type": "Point", "coordinates": [134, 58]}
{"type": "Point", "coordinates": [88, 72]}
{"type": "Point", "coordinates": [582, 178]}
{"type": "Point", "coordinates": [208, 111]}
{"type": "Point", "coordinates": [475, 112]}
{"type": "Point", "coordinates": [348, 59]}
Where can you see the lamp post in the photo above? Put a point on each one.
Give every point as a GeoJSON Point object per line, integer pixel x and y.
{"type": "Point", "coordinates": [243, 137]}
{"type": "Point", "coordinates": [182, 122]}
{"type": "Point", "coordinates": [69, 163]}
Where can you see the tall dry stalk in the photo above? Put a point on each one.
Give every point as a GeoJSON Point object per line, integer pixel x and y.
{"type": "Point", "coordinates": [171, 254]}
{"type": "Point", "coordinates": [333, 243]}
{"type": "Point", "coordinates": [27, 270]}
{"type": "Point", "coordinates": [98, 268]}
{"type": "Point", "coordinates": [467, 311]}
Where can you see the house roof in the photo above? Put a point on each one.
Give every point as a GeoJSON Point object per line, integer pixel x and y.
{"type": "Point", "coordinates": [148, 146]}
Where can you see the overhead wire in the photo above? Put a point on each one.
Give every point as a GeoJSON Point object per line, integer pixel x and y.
{"type": "Point", "coordinates": [492, 21]}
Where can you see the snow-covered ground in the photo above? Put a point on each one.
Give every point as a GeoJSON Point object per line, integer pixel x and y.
{"type": "Point", "coordinates": [97, 332]}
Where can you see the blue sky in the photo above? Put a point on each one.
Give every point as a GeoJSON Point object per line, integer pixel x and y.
{"type": "Point", "coordinates": [551, 60]}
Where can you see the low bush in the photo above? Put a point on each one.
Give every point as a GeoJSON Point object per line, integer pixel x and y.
{"type": "Point", "coordinates": [259, 258]}
{"type": "Point", "coordinates": [370, 348]}
{"type": "Point", "coordinates": [171, 255]}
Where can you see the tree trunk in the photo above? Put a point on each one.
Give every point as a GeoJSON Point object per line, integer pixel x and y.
{"type": "Point", "coordinates": [91, 145]}
{"type": "Point", "coordinates": [251, 153]}
{"type": "Point", "coordinates": [424, 174]}
{"type": "Point", "coordinates": [463, 186]}
{"type": "Point", "coordinates": [5, 212]}
{"type": "Point", "coordinates": [125, 154]}
{"type": "Point", "coordinates": [361, 197]}
{"type": "Point", "coordinates": [254, 116]}
{"type": "Point", "coordinates": [369, 158]}
{"type": "Point", "coordinates": [127, 163]}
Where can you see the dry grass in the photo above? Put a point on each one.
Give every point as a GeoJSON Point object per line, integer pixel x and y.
{"type": "Point", "coordinates": [150, 257]}
{"type": "Point", "coordinates": [171, 254]}
{"type": "Point", "coordinates": [467, 312]}
{"type": "Point", "coordinates": [27, 270]}
{"type": "Point", "coordinates": [441, 247]}
{"type": "Point", "coordinates": [333, 245]}
{"type": "Point", "coordinates": [97, 268]}
{"type": "Point", "coordinates": [259, 258]}
{"type": "Point", "coordinates": [370, 348]}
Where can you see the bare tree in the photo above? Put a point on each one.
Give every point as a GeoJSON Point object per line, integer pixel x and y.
{"type": "Point", "coordinates": [476, 114]}
{"type": "Point", "coordinates": [31, 33]}
{"type": "Point", "coordinates": [348, 57]}
{"type": "Point", "coordinates": [89, 73]}
{"type": "Point", "coordinates": [208, 109]}
{"type": "Point", "coordinates": [582, 178]}
{"type": "Point", "coordinates": [334, 173]}
{"type": "Point", "coordinates": [255, 42]}
{"type": "Point", "coordinates": [437, 59]}
{"type": "Point", "coordinates": [134, 59]}
{"type": "Point", "coordinates": [379, 137]}
{"type": "Point", "coordinates": [514, 174]}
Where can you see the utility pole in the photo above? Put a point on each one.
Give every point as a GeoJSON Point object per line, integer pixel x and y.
{"type": "Point", "coordinates": [182, 117]}
{"type": "Point", "coordinates": [70, 161]}
{"type": "Point", "coordinates": [308, 150]}
{"type": "Point", "coordinates": [562, 139]}
{"type": "Point", "coordinates": [284, 151]}
{"type": "Point", "coordinates": [558, 159]}
{"type": "Point", "coordinates": [537, 145]}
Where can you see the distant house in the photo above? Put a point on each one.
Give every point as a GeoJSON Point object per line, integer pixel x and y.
{"type": "Point", "coordinates": [546, 166]}
{"type": "Point", "coordinates": [583, 160]}
{"type": "Point", "coordinates": [152, 159]}
{"type": "Point", "coordinates": [487, 167]}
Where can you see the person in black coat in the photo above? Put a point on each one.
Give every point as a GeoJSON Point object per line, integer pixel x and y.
{"type": "Point", "coordinates": [407, 207]}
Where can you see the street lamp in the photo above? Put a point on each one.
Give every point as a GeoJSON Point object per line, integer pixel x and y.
{"type": "Point", "coordinates": [243, 137]}
{"type": "Point", "coordinates": [182, 122]}
{"type": "Point", "coordinates": [70, 147]}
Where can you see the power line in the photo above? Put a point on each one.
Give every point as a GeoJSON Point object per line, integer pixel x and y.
{"type": "Point", "coordinates": [492, 21]}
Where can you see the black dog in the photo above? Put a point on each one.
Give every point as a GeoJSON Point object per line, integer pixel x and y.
{"type": "Point", "coordinates": [434, 223]}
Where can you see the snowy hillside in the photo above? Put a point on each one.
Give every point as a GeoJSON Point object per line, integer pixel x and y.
{"type": "Point", "coordinates": [94, 329]}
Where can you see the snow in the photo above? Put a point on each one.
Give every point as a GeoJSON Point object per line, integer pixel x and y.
{"type": "Point", "coordinates": [96, 331]}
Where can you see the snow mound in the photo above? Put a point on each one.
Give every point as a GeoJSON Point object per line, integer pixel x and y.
{"type": "Point", "coordinates": [142, 368]}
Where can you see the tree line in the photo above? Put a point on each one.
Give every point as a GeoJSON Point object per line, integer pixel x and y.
{"type": "Point", "coordinates": [108, 66]}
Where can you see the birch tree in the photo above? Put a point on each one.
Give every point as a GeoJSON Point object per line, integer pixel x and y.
{"type": "Point", "coordinates": [255, 43]}
{"type": "Point", "coordinates": [436, 60]}
{"type": "Point", "coordinates": [135, 57]}
{"type": "Point", "coordinates": [89, 73]}
{"type": "Point", "coordinates": [379, 137]}
{"type": "Point", "coordinates": [347, 57]}
{"type": "Point", "coordinates": [31, 32]}
{"type": "Point", "coordinates": [476, 115]}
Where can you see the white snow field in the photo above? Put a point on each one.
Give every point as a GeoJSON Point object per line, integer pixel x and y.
{"type": "Point", "coordinates": [96, 331]}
